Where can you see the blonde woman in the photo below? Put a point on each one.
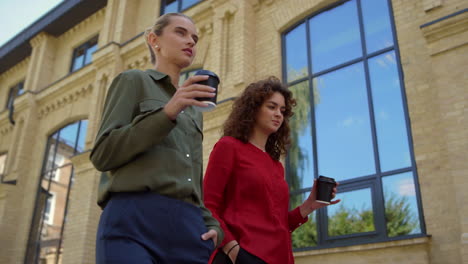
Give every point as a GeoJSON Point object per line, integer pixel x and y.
{"type": "Point", "coordinates": [150, 147]}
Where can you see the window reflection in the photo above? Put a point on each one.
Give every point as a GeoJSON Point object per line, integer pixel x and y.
{"type": "Point", "coordinates": [301, 166]}
{"type": "Point", "coordinates": [306, 234]}
{"type": "Point", "coordinates": [335, 37]}
{"type": "Point", "coordinates": [89, 53]}
{"type": "Point", "coordinates": [57, 177]}
{"type": "Point", "coordinates": [67, 138]}
{"type": "Point", "coordinates": [377, 26]}
{"type": "Point", "coordinates": [389, 113]}
{"type": "Point", "coordinates": [82, 136]}
{"type": "Point", "coordinates": [401, 209]}
{"type": "Point", "coordinates": [354, 214]}
{"type": "Point", "coordinates": [354, 117]}
{"type": "Point", "coordinates": [174, 6]}
{"type": "Point", "coordinates": [188, 3]}
{"type": "Point", "coordinates": [171, 6]}
{"type": "Point", "coordinates": [296, 53]}
{"type": "Point", "coordinates": [344, 140]}
{"type": "Point", "coordinates": [78, 61]}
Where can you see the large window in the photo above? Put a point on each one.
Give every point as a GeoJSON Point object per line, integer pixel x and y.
{"type": "Point", "coordinates": [174, 6]}
{"type": "Point", "coordinates": [46, 236]}
{"type": "Point", "coordinates": [15, 91]}
{"type": "Point", "coordinates": [82, 55]}
{"type": "Point", "coordinates": [351, 123]}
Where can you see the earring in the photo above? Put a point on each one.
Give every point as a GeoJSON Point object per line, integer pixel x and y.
{"type": "Point", "coordinates": [156, 46]}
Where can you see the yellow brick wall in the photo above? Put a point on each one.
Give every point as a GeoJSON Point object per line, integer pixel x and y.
{"type": "Point", "coordinates": [240, 40]}
{"type": "Point", "coordinates": [72, 39]}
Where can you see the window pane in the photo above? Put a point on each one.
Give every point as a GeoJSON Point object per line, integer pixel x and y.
{"type": "Point", "coordinates": [300, 155]}
{"type": "Point", "coordinates": [171, 6]}
{"type": "Point", "coordinates": [2, 163]}
{"type": "Point", "coordinates": [354, 214]}
{"type": "Point", "coordinates": [306, 234]}
{"type": "Point", "coordinates": [68, 139]}
{"type": "Point", "coordinates": [82, 136]}
{"type": "Point", "coordinates": [389, 113]}
{"type": "Point", "coordinates": [188, 3]}
{"type": "Point", "coordinates": [377, 26]}
{"type": "Point", "coordinates": [49, 165]}
{"type": "Point", "coordinates": [296, 53]}
{"type": "Point", "coordinates": [344, 140]}
{"type": "Point", "coordinates": [20, 87]}
{"type": "Point", "coordinates": [335, 37]}
{"type": "Point", "coordinates": [78, 62]}
{"type": "Point", "coordinates": [401, 209]}
{"type": "Point", "coordinates": [89, 53]}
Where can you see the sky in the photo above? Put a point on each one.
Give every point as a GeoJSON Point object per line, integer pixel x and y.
{"type": "Point", "coordinates": [16, 15]}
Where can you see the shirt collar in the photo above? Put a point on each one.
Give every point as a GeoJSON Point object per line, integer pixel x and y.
{"type": "Point", "coordinates": [159, 76]}
{"type": "Point", "coordinates": [156, 75]}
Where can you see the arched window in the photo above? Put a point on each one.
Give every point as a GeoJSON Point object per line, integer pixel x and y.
{"type": "Point", "coordinates": [351, 123]}
{"type": "Point", "coordinates": [49, 218]}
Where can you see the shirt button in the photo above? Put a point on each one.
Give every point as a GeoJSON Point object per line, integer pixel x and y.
{"type": "Point", "coordinates": [188, 155]}
{"type": "Point", "coordinates": [189, 179]}
{"type": "Point", "coordinates": [300, 224]}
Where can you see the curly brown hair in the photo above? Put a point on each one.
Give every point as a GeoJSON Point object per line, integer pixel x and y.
{"type": "Point", "coordinates": [241, 120]}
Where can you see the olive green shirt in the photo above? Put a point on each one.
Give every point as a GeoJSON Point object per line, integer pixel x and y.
{"type": "Point", "coordinates": [140, 149]}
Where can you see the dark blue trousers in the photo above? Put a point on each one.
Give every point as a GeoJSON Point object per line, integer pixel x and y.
{"type": "Point", "coordinates": [147, 228]}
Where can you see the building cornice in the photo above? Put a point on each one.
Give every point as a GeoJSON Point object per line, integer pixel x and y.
{"type": "Point", "coordinates": [56, 22]}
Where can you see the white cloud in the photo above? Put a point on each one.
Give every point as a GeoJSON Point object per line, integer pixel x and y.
{"type": "Point", "coordinates": [349, 121]}
{"type": "Point", "coordinates": [383, 115]}
{"type": "Point", "coordinates": [406, 187]}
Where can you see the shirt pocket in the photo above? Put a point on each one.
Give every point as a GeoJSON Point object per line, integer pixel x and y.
{"type": "Point", "coordinates": [151, 105]}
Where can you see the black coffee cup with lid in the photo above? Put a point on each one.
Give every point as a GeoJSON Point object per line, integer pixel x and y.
{"type": "Point", "coordinates": [212, 81]}
{"type": "Point", "coordinates": [325, 187]}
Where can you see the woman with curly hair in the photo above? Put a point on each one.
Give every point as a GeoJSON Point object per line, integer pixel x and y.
{"type": "Point", "coordinates": [244, 184]}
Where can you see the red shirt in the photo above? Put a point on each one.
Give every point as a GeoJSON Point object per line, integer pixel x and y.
{"type": "Point", "coordinates": [246, 191]}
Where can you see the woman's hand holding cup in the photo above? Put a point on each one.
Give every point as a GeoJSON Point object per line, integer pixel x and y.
{"type": "Point", "coordinates": [186, 94]}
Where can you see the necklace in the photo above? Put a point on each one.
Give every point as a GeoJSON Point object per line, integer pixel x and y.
{"type": "Point", "coordinates": [257, 146]}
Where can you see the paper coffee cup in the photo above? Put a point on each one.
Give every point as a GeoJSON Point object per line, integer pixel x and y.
{"type": "Point", "coordinates": [325, 187]}
{"type": "Point", "coordinates": [212, 81]}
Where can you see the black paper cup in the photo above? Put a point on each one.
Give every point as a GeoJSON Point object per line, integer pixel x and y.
{"type": "Point", "coordinates": [325, 187]}
{"type": "Point", "coordinates": [212, 81]}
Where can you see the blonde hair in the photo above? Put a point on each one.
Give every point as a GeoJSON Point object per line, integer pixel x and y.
{"type": "Point", "coordinates": [158, 28]}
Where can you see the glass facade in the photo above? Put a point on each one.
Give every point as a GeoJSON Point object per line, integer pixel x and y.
{"type": "Point", "coordinates": [351, 124]}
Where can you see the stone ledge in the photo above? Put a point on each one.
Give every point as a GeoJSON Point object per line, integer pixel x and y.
{"type": "Point", "coordinates": [365, 247]}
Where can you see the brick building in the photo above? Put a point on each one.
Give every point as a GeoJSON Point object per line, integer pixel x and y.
{"type": "Point", "coordinates": [381, 88]}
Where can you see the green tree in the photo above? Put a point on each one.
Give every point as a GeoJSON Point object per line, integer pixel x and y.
{"type": "Point", "coordinates": [399, 217]}
{"type": "Point", "coordinates": [306, 235]}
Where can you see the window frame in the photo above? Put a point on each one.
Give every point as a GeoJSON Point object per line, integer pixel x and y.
{"type": "Point", "coordinates": [374, 181]}
{"type": "Point", "coordinates": [83, 47]}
